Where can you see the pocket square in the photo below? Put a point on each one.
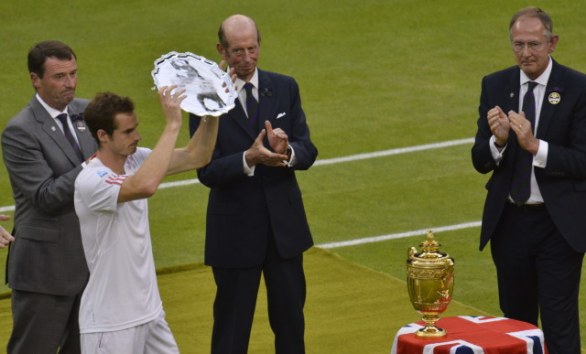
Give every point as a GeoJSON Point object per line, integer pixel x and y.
{"type": "Point", "coordinates": [281, 115]}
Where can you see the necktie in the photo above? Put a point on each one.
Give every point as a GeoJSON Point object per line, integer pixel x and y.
{"type": "Point", "coordinates": [251, 106]}
{"type": "Point", "coordinates": [521, 184]}
{"type": "Point", "coordinates": [64, 121]}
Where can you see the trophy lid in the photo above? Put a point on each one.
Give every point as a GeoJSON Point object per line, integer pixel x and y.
{"type": "Point", "coordinates": [430, 247]}
{"type": "Point", "coordinates": [429, 250]}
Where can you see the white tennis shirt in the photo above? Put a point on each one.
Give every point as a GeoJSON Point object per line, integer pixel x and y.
{"type": "Point", "coordinates": [122, 291]}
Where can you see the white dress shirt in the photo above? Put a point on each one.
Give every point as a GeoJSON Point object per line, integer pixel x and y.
{"type": "Point", "coordinates": [539, 159]}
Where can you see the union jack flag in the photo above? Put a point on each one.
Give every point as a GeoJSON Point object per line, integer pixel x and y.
{"type": "Point", "coordinates": [472, 335]}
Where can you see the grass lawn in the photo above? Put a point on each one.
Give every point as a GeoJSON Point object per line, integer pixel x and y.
{"type": "Point", "coordinates": [374, 75]}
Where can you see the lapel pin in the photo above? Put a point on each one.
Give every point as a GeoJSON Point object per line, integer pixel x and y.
{"type": "Point", "coordinates": [554, 98]}
{"type": "Point", "coordinates": [512, 94]}
{"type": "Point", "coordinates": [53, 128]}
{"type": "Point", "coordinates": [80, 126]}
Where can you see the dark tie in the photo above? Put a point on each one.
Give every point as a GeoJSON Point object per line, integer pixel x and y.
{"type": "Point", "coordinates": [521, 184]}
{"type": "Point", "coordinates": [251, 106]}
{"type": "Point", "coordinates": [63, 119]}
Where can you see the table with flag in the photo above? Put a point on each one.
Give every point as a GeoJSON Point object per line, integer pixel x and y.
{"type": "Point", "coordinates": [472, 335]}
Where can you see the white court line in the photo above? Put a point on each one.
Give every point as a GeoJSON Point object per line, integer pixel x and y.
{"type": "Point", "coordinates": [370, 155]}
{"type": "Point", "coordinates": [357, 157]}
{"type": "Point", "coordinates": [373, 239]}
{"type": "Point", "coordinates": [331, 161]}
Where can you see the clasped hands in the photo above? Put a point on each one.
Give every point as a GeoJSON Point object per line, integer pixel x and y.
{"type": "Point", "coordinates": [258, 154]}
{"type": "Point", "coordinates": [501, 123]}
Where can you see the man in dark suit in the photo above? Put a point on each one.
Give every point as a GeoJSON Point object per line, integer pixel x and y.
{"type": "Point", "coordinates": [534, 211]}
{"type": "Point", "coordinates": [256, 222]}
{"type": "Point", "coordinates": [46, 267]}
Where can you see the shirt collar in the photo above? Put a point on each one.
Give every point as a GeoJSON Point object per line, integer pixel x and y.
{"type": "Point", "coordinates": [52, 111]}
{"type": "Point", "coordinates": [542, 79]}
{"type": "Point", "coordinates": [253, 80]}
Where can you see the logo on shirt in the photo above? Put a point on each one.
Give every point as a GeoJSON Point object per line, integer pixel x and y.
{"type": "Point", "coordinates": [116, 179]}
{"type": "Point", "coordinates": [102, 173]}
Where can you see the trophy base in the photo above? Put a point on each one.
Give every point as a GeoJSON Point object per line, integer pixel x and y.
{"type": "Point", "coordinates": [430, 332]}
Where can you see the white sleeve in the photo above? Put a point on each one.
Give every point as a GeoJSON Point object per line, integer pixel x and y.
{"type": "Point", "coordinates": [540, 159]}
{"type": "Point", "coordinates": [99, 189]}
{"type": "Point", "coordinates": [249, 171]}
{"type": "Point", "coordinates": [496, 154]}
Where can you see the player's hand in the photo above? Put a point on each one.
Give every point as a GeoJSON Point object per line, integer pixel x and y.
{"type": "Point", "coordinates": [171, 98]}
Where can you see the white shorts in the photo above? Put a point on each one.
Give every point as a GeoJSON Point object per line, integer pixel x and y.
{"type": "Point", "coordinates": [153, 337]}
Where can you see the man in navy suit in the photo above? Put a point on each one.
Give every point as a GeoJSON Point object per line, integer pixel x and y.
{"type": "Point", "coordinates": [256, 222]}
{"type": "Point", "coordinates": [46, 267]}
{"type": "Point", "coordinates": [537, 229]}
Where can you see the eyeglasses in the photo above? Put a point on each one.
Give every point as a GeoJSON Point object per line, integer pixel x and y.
{"type": "Point", "coordinates": [532, 46]}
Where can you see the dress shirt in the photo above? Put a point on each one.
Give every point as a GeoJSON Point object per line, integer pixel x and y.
{"type": "Point", "coordinates": [248, 170]}
{"type": "Point", "coordinates": [242, 92]}
{"type": "Point", "coordinates": [54, 113]}
{"type": "Point", "coordinates": [540, 158]}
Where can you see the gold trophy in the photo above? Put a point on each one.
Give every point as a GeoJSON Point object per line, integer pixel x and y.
{"type": "Point", "coordinates": [430, 280]}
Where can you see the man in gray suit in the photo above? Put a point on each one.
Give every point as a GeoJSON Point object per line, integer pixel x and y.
{"type": "Point", "coordinates": [46, 268]}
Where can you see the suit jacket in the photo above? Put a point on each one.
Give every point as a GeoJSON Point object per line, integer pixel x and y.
{"type": "Point", "coordinates": [563, 126]}
{"type": "Point", "coordinates": [47, 255]}
{"type": "Point", "coordinates": [241, 209]}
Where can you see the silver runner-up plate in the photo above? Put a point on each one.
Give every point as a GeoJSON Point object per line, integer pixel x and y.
{"type": "Point", "coordinates": [209, 89]}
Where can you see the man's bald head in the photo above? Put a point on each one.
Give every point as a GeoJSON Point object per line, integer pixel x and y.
{"type": "Point", "coordinates": [236, 24]}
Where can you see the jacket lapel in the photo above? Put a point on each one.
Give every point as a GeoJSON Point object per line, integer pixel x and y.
{"type": "Point", "coordinates": [238, 115]}
{"type": "Point", "coordinates": [513, 92]}
{"type": "Point", "coordinates": [268, 99]}
{"type": "Point", "coordinates": [84, 137]}
{"type": "Point", "coordinates": [86, 141]}
{"type": "Point", "coordinates": [51, 128]}
{"type": "Point", "coordinates": [48, 125]}
{"type": "Point", "coordinates": [548, 107]}
{"type": "Point", "coordinates": [266, 105]}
